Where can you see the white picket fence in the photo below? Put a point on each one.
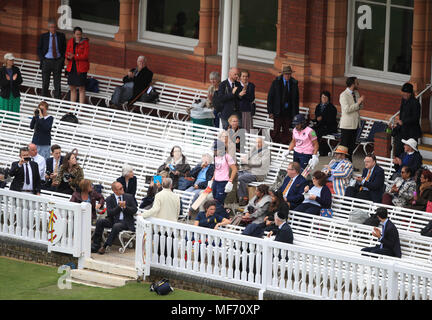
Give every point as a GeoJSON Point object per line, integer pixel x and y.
{"type": "Point", "coordinates": [26, 217]}
{"type": "Point", "coordinates": [268, 265]}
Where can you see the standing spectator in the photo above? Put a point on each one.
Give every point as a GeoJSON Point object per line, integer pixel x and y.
{"type": "Point", "coordinates": [51, 51]}
{"type": "Point", "coordinates": [304, 142]}
{"type": "Point", "coordinates": [228, 94]}
{"type": "Point", "coordinates": [42, 124]}
{"type": "Point", "coordinates": [247, 97]}
{"type": "Point", "coordinates": [212, 94]}
{"type": "Point", "coordinates": [208, 218]}
{"type": "Point", "coordinates": [53, 166]}
{"type": "Point", "coordinates": [87, 194]}
{"type": "Point", "coordinates": [283, 104]}
{"type": "Point", "coordinates": [25, 173]}
{"type": "Point", "coordinates": [33, 153]}
{"type": "Point", "coordinates": [70, 175]}
{"type": "Point", "coordinates": [424, 193]}
{"type": "Point", "coordinates": [10, 83]}
{"type": "Point", "coordinates": [176, 165]}
{"type": "Point", "coordinates": [325, 120]}
{"type": "Point", "coordinates": [339, 171]}
{"type": "Point", "coordinates": [351, 102]}
{"type": "Point", "coordinates": [411, 157]}
{"type": "Point", "coordinates": [408, 125]}
{"type": "Point", "coordinates": [318, 197]}
{"type": "Point", "coordinates": [370, 186]}
{"type": "Point", "coordinates": [388, 236]}
{"type": "Point", "coordinates": [292, 187]}
{"type": "Point", "coordinates": [128, 181]}
{"type": "Point", "coordinates": [402, 191]}
{"type": "Point", "coordinates": [77, 54]}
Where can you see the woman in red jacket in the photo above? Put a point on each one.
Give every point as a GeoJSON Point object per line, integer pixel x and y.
{"type": "Point", "coordinates": [77, 51]}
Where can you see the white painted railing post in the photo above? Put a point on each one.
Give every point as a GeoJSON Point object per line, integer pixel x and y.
{"type": "Point", "coordinates": [266, 267]}
{"type": "Point", "coordinates": [83, 221]}
{"type": "Point", "coordinates": [392, 285]}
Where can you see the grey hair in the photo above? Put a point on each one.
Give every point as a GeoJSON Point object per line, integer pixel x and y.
{"type": "Point", "coordinates": [209, 157]}
{"type": "Point", "coordinates": [214, 75]}
{"type": "Point", "coordinates": [167, 183]}
{"type": "Point", "coordinates": [126, 169]}
{"type": "Point", "coordinates": [142, 57]}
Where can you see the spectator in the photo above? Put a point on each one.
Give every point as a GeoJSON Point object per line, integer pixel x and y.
{"type": "Point", "coordinates": [200, 113]}
{"type": "Point", "coordinates": [10, 84]}
{"type": "Point", "coordinates": [339, 171]}
{"type": "Point", "coordinates": [370, 186]}
{"type": "Point", "coordinates": [411, 157]}
{"type": "Point", "coordinates": [42, 124]}
{"type": "Point", "coordinates": [402, 191]}
{"type": "Point", "coordinates": [408, 125]}
{"type": "Point", "coordinates": [325, 120]}
{"type": "Point", "coordinates": [121, 209]}
{"type": "Point", "coordinates": [136, 81]}
{"type": "Point", "coordinates": [51, 51]}
{"type": "Point", "coordinates": [283, 104]}
{"type": "Point", "coordinates": [212, 94]}
{"type": "Point", "coordinates": [166, 204]}
{"type": "Point", "coordinates": [292, 187]}
{"type": "Point", "coordinates": [33, 153]}
{"type": "Point", "coordinates": [25, 173]}
{"type": "Point", "coordinates": [87, 194]}
{"type": "Point", "coordinates": [235, 135]}
{"type": "Point", "coordinates": [176, 165]}
{"type": "Point", "coordinates": [284, 232]}
{"type": "Point", "coordinates": [254, 167]}
{"type": "Point", "coordinates": [200, 175]}
{"type": "Point", "coordinates": [69, 176]}
{"type": "Point", "coordinates": [77, 55]}
{"type": "Point", "coordinates": [424, 193]}
{"type": "Point", "coordinates": [318, 197]}
{"type": "Point", "coordinates": [247, 97]}
{"type": "Point", "coordinates": [52, 166]}
{"type": "Point", "coordinates": [147, 201]}
{"type": "Point", "coordinates": [228, 93]}
{"type": "Point", "coordinates": [388, 236]}
{"type": "Point", "coordinates": [351, 102]}
{"type": "Point", "coordinates": [128, 181]}
{"type": "Point", "coordinates": [208, 218]}
{"type": "Point", "coordinates": [257, 206]}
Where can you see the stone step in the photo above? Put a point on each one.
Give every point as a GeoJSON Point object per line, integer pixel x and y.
{"type": "Point", "coordinates": [98, 278]}
{"type": "Point", "coordinates": [90, 284]}
{"type": "Point", "coordinates": [110, 268]}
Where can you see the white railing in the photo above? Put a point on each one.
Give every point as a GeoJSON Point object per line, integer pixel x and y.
{"type": "Point", "coordinates": [61, 225]}
{"type": "Point", "coordinates": [264, 264]}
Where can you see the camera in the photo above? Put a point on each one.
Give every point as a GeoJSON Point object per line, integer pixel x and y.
{"type": "Point", "coordinates": [251, 209]}
{"type": "Point", "coordinates": [48, 173]}
{"type": "Point", "coordinates": [36, 112]}
{"type": "Point", "coordinates": [68, 176]}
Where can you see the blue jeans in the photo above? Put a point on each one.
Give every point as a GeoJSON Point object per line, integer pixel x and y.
{"type": "Point", "coordinates": [302, 158]}
{"type": "Point", "coordinates": [44, 151]}
{"type": "Point", "coordinates": [219, 196]}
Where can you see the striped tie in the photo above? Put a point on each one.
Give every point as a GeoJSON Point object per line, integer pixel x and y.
{"type": "Point", "coordinates": [367, 178]}
{"type": "Point", "coordinates": [288, 186]}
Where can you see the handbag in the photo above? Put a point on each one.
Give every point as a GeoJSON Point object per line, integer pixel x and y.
{"type": "Point", "coordinates": [328, 213]}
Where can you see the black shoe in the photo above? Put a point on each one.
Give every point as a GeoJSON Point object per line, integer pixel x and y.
{"type": "Point", "coordinates": [94, 248]}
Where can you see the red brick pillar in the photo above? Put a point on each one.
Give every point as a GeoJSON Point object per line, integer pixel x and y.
{"type": "Point", "coordinates": [382, 144]}
{"type": "Point", "coordinates": [125, 17]}
{"type": "Point", "coordinates": [209, 11]}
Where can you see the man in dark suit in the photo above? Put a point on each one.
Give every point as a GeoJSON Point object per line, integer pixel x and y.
{"type": "Point", "coordinates": [228, 94]}
{"type": "Point", "coordinates": [370, 186]}
{"type": "Point", "coordinates": [121, 208]}
{"type": "Point", "coordinates": [283, 104]}
{"type": "Point", "coordinates": [51, 51]}
{"type": "Point", "coordinates": [388, 236]}
{"type": "Point", "coordinates": [284, 232]}
{"type": "Point", "coordinates": [293, 185]}
{"type": "Point", "coordinates": [53, 166]}
{"type": "Point", "coordinates": [25, 173]}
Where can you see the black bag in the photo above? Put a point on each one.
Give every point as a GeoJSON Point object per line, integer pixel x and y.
{"type": "Point", "coordinates": [69, 117]}
{"type": "Point", "coordinates": [151, 97]}
{"type": "Point", "coordinates": [216, 102]}
{"type": "Point", "coordinates": [162, 287]}
{"type": "Point", "coordinates": [372, 221]}
{"type": "Point", "coordinates": [92, 85]}
{"type": "Point", "coordinates": [253, 109]}
{"type": "Point", "coordinates": [427, 231]}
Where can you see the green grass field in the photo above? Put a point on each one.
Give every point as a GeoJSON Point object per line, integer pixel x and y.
{"type": "Point", "coordinates": [28, 281]}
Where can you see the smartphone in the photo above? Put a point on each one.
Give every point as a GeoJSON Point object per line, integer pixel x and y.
{"type": "Point", "coordinates": [157, 179]}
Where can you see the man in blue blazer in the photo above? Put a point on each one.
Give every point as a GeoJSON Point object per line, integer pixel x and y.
{"type": "Point", "coordinates": [388, 236]}
{"type": "Point", "coordinates": [293, 185]}
{"type": "Point", "coordinates": [370, 186]}
{"type": "Point", "coordinates": [53, 166]}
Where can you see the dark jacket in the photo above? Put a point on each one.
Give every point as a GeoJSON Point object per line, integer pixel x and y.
{"type": "Point", "coordinates": [183, 168]}
{"type": "Point", "coordinates": [42, 130]}
{"type": "Point", "coordinates": [422, 200]}
{"type": "Point", "coordinates": [328, 123]}
{"type": "Point", "coordinates": [375, 184]}
{"type": "Point", "coordinates": [209, 174]}
{"type": "Point", "coordinates": [410, 117]}
{"type": "Point", "coordinates": [284, 234]}
{"type": "Point", "coordinates": [43, 45]}
{"type": "Point", "coordinates": [94, 196]}
{"type": "Point", "coordinates": [50, 164]}
{"type": "Point", "coordinates": [229, 100]}
{"type": "Point", "coordinates": [246, 101]}
{"type": "Point", "coordinates": [295, 194]}
{"type": "Point", "coordinates": [141, 81]}
{"type": "Point", "coordinates": [132, 185]}
{"type": "Point", "coordinates": [5, 84]}
{"type": "Point", "coordinates": [81, 55]}
{"type": "Point", "coordinates": [391, 239]}
{"type": "Point", "coordinates": [18, 174]}
{"type": "Point", "coordinates": [415, 163]}
{"type": "Point", "coordinates": [276, 98]}
{"type": "Point", "coordinates": [113, 210]}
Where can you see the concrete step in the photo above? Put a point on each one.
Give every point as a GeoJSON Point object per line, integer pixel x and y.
{"type": "Point", "coordinates": [90, 284]}
{"type": "Point", "coordinates": [98, 278]}
{"type": "Point", "coordinates": [110, 268]}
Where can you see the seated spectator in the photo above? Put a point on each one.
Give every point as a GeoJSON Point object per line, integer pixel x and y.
{"type": "Point", "coordinates": [257, 206]}
{"type": "Point", "coordinates": [121, 210]}
{"type": "Point", "coordinates": [235, 135]}
{"type": "Point", "coordinates": [147, 201]}
{"type": "Point", "coordinates": [293, 186]}
{"type": "Point", "coordinates": [87, 194]}
{"type": "Point", "coordinates": [339, 171]}
{"type": "Point", "coordinates": [388, 236]}
{"type": "Point", "coordinates": [25, 173]}
{"type": "Point", "coordinates": [208, 218]}
{"type": "Point", "coordinates": [135, 82]}
{"type": "Point", "coordinates": [284, 232]}
{"type": "Point", "coordinates": [424, 192]}
{"type": "Point", "coordinates": [201, 113]}
{"type": "Point", "coordinates": [166, 204]}
{"type": "Point", "coordinates": [254, 167]}
{"type": "Point", "coordinates": [370, 186]}
{"type": "Point", "coordinates": [176, 165]}
{"type": "Point", "coordinates": [325, 120]}
{"type": "Point", "coordinates": [53, 166]}
{"type": "Point", "coordinates": [128, 181]}
{"type": "Point", "coordinates": [402, 191]}
{"type": "Point", "coordinates": [69, 176]}
{"type": "Point", "coordinates": [411, 157]}
{"type": "Point", "coordinates": [200, 176]}
{"type": "Point", "coordinates": [318, 197]}
{"type": "Point", "coordinates": [33, 153]}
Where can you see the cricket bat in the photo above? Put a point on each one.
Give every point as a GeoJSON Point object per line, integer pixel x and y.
{"type": "Point", "coordinates": [201, 198]}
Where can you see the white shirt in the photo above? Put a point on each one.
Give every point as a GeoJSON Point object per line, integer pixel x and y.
{"type": "Point", "coordinates": [119, 198]}
{"type": "Point", "coordinates": [42, 165]}
{"type": "Point", "coordinates": [29, 186]}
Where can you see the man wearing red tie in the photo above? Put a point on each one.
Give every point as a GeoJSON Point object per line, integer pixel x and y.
{"type": "Point", "coordinates": [370, 186]}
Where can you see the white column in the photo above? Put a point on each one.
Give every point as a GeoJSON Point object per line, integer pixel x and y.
{"type": "Point", "coordinates": [234, 32]}
{"type": "Point", "coordinates": [226, 39]}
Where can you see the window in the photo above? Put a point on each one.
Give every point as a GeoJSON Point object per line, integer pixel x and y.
{"type": "Point", "coordinates": [379, 40]}
{"type": "Point", "coordinates": [170, 23]}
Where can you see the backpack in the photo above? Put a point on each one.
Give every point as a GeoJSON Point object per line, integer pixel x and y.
{"type": "Point", "coordinates": [69, 117]}
{"type": "Point", "coordinates": [162, 287]}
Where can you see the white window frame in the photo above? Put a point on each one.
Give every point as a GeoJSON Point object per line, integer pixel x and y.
{"type": "Point", "coordinates": [161, 39]}
{"type": "Point", "coordinates": [365, 73]}
{"type": "Point", "coordinates": [99, 29]}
